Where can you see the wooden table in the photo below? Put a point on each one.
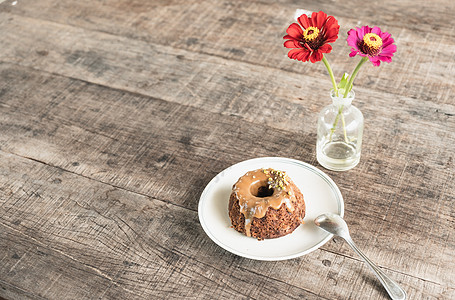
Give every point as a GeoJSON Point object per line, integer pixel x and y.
{"type": "Point", "coordinates": [116, 114]}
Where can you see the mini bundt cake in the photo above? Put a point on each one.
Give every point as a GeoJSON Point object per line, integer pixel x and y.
{"type": "Point", "coordinates": [266, 204]}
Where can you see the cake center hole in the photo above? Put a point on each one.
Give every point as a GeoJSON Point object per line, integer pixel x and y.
{"type": "Point", "coordinates": [261, 190]}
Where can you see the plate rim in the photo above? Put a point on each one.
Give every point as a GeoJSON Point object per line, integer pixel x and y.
{"type": "Point", "coordinates": [274, 159]}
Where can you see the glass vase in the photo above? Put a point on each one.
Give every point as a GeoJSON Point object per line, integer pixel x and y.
{"type": "Point", "coordinates": [340, 130]}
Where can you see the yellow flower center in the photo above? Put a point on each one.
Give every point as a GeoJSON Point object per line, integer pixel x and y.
{"type": "Point", "coordinates": [311, 33]}
{"type": "Point", "coordinates": [372, 40]}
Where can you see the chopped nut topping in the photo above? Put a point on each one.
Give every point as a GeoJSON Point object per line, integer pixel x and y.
{"type": "Point", "coordinates": [276, 179]}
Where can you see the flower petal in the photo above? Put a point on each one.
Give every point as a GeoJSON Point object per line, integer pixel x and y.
{"type": "Point", "coordinates": [386, 59]}
{"type": "Point", "coordinates": [295, 31]}
{"type": "Point", "coordinates": [299, 54]}
{"type": "Point", "coordinates": [319, 19]}
{"type": "Point", "coordinates": [389, 50]}
{"type": "Point", "coordinates": [376, 30]}
{"type": "Point", "coordinates": [293, 53]}
{"type": "Point", "coordinates": [332, 35]}
{"type": "Point", "coordinates": [331, 30]}
{"type": "Point", "coordinates": [307, 47]}
{"type": "Point", "coordinates": [353, 39]}
{"type": "Point", "coordinates": [361, 54]}
{"type": "Point", "coordinates": [331, 39]}
{"type": "Point", "coordinates": [364, 30]}
{"type": "Point", "coordinates": [384, 35]}
{"type": "Point", "coordinates": [303, 56]}
{"type": "Point", "coordinates": [296, 53]}
{"type": "Point", "coordinates": [292, 44]}
{"type": "Point", "coordinates": [303, 21]}
{"type": "Point", "coordinates": [376, 62]}
{"type": "Point", "coordinates": [386, 42]}
{"type": "Point", "coordinates": [316, 56]}
{"type": "Point", "coordinates": [326, 48]}
{"type": "Point", "coordinates": [288, 37]}
{"type": "Point", "coordinates": [359, 33]}
{"type": "Point", "coordinates": [332, 25]}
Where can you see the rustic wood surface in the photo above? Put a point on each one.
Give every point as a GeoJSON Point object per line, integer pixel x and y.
{"type": "Point", "coordinates": [115, 114]}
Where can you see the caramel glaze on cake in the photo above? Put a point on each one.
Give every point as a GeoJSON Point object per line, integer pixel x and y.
{"type": "Point", "coordinates": [266, 204]}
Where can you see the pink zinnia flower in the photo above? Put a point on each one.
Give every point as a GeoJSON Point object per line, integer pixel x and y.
{"type": "Point", "coordinates": [372, 43]}
{"type": "Point", "coordinates": [309, 39]}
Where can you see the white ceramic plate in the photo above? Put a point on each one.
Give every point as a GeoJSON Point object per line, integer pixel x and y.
{"type": "Point", "coordinates": [320, 193]}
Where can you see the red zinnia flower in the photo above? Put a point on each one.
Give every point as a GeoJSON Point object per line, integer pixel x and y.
{"type": "Point", "coordinates": [372, 43]}
{"type": "Point", "coordinates": [311, 42]}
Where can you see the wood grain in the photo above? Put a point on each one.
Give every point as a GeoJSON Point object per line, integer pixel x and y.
{"type": "Point", "coordinates": [112, 243]}
{"type": "Point", "coordinates": [422, 40]}
{"type": "Point", "coordinates": [114, 115]}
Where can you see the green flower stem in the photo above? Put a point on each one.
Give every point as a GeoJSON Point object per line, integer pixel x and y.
{"type": "Point", "coordinates": [335, 124]}
{"type": "Point", "coordinates": [337, 118]}
{"type": "Point", "coordinates": [346, 92]}
{"type": "Point", "coordinates": [354, 74]}
{"type": "Point", "coordinates": [344, 128]}
{"type": "Point", "coordinates": [327, 65]}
